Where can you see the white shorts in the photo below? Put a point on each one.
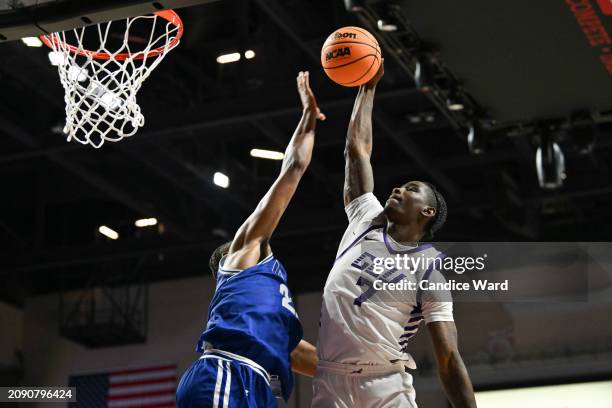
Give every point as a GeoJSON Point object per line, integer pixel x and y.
{"type": "Point", "coordinates": [349, 386]}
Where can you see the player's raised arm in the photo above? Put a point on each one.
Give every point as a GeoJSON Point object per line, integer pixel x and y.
{"type": "Point", "coordinates": [358, 176]}
{"type": "Point", "coordinates": [252, 237]}
{"type": "Point", "coordinates": [451, 369]}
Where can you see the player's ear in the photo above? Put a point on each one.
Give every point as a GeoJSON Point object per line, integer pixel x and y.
{"type": "Point", "coordinates": [428, 211]}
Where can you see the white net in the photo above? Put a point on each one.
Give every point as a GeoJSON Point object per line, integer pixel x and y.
{"type": "Point", "coordinates": [101, 86]}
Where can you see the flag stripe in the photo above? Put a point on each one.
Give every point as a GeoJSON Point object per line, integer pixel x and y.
{"type": "Point", "coordinates": [143, 370]}
{"type": "Point", "coordinates": [149, 375]}
{"type": "Point", "coordinates": [145, 382]}
{"type": "Point", "coordinates": [125, 392]}
{"type": "Point", "coordinates": [144, 393]}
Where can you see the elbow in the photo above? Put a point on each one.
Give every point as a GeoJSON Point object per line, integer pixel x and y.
{"type": "Point", "coordinates": [354, 150]}
{"type": "Point", "coordinates": [296, 165]}
{"type": "Point", "coordinates": [350, 151]}
{"type": "Point", "coordinates": [449, 364]}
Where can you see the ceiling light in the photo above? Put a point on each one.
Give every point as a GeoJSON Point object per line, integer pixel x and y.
{"type": "Point", "coordinates": [454, 102]}
{"type": "Point", "coordinates": [423, 77]}
{"type": "Point", "coordinates": [57, 58]}
{"type": "Point", "coordinates": [227, 58]}
{"type": "Point", "coordinates": [221, 180]}
{"type": "Point", "coordinates": [415, 119]}
{"type": "Point", "coordinates": [110, 101]}
{"type": "Point", "coordinates": [354, 5]}
{"type": "Point", "coordinates": [430, 118]}
{"type": "Point", "coordinates": [249, 54]}
{"type": "Point", "coordinates": [78, 74]}
{"type": "Point", "coordinates": [107, 232]}
{"type": "Point", "coordinates": [386, 26]}
{"type": "Point", "coordinates": [550, 164]}
{"type": "Point", "coordinates": [474, 139]}
{"type": "Point", "coordinates": [267, 154]}
{"type": "Point", "coordinates": [32, 41]}
{"type": "Point", "coordinates": [145, 222]}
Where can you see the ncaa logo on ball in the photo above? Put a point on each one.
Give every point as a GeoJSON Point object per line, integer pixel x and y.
{"type": "Point", "coordinates": [337, 53]}
{"type": "Point", "coordinates": [338, 36]}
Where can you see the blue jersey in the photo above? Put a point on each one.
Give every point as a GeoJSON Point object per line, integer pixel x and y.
{"type": "Point", "coordinates": [252, 314]}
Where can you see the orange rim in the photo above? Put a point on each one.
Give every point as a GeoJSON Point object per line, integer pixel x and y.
{"type": "Point", "coordinates": [168, 15]}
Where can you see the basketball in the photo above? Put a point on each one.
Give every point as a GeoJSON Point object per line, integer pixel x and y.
{"type": "Point", "coordinates": [351, 56]}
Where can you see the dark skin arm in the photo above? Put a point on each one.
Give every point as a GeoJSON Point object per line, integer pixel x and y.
{"type": "Point", "coordinates": [304, 359]}
{"type": "Point", "coordinates": [451, 369]}
{"type": "Point", "coordinates": [358, 175]}
{"type": "Point", "coordinates": [251, 242]}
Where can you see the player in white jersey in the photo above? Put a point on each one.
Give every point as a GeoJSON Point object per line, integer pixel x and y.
{"type": "Point", "coordinates": [364, 333]}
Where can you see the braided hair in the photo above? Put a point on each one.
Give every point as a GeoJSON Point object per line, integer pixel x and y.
{"type": "Point", "coordinates": [438, 202]}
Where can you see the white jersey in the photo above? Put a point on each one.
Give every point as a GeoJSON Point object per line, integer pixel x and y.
{"type": "Point", "coordinates": [357, 328]}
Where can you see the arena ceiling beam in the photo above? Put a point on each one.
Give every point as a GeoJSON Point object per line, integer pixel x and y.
{"type": "Point", "coordinates": [93, 179]}
{"type": "Point", "coordinates": [78, 255]}
{"type": "Point", "coordinates": [95, 254]}
{"type": "Point", "coordinates": [175, 132]}
{"type": "Point", "coordinates": [448, 164]}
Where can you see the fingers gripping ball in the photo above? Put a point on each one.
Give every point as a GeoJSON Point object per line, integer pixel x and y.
{"type": "Point", "coordinates": [351, 56]}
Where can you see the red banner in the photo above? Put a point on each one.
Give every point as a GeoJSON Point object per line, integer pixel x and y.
{"type": "Point", "coordinates": [606, 6]}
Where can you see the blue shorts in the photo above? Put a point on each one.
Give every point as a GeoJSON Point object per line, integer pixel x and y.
{"type": "Point", "coordinates": [219, 381]}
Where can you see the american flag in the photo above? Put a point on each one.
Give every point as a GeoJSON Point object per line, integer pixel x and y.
{"type": "Point", "coordinates": [149, 387]}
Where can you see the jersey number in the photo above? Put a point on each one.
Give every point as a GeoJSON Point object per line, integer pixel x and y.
{"type": "Point", "coordinates": [284, 290]}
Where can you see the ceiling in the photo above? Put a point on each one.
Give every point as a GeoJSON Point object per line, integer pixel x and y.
{"type": "Point", "coordinates": [203, 117]}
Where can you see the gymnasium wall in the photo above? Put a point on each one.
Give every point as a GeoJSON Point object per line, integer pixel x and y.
{"type": "Point", "coordinates": [11, 340]}
{"type": "Point", "coordinates": [11, 321]}
{"type": "Point", "coordinates": [178, 308]}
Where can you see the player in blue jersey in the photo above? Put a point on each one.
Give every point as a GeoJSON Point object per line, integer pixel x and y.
{"type": "Point", "coordinates": [253, 339]}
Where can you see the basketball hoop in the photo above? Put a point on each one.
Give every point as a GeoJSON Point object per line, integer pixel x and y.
{"type": "Point", "coordinates": [101, 86]}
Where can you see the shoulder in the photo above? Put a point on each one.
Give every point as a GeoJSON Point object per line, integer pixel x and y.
{"type": "Point", "coordinates": [363, 208]}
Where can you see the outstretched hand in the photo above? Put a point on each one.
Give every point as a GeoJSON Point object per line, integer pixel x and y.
{"type": "Point", "coordinates": [381, 72]}
{"type": "Point", "coordinates": [308, 99]}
